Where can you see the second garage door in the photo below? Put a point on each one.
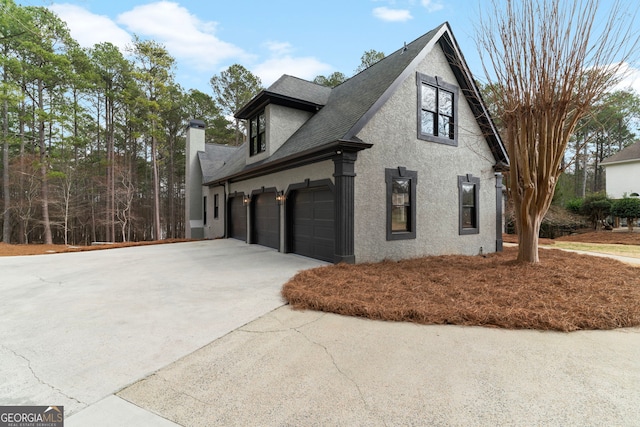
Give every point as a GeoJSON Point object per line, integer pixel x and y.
{"type": "Point", "coordinates": [312, 225]}
{"type": "Point", "coordinates": [266, 220]}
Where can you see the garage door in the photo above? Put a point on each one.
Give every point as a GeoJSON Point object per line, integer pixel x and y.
{"type": "Point", "coordinates": [237, 218]}
{"type": "Point", "coordinates": [266, 220]}
{"type": "Point", "coordinates": [312, 223]}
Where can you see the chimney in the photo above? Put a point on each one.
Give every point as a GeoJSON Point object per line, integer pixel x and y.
{"type": "Point", "coordinates": [193, 216]}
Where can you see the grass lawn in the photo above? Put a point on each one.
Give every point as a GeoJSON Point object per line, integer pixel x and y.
{"type": "Point", "coordinates": [565, 292]}
{"type": "Point", "coordinates": [632, 251]}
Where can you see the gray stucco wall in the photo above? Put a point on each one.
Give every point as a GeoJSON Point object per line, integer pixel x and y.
{"type": "Point", "coordinates": [281, 180]}
{"type": "Point", "coordinates": [214, 227]}
{"type": "Point", "coordinates": [393, 131]}
{"type": "Point", "coordinates": [282, 122]}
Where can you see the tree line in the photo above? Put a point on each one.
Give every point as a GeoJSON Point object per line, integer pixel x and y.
{"type": "Point", "coordinates": [93, 140]}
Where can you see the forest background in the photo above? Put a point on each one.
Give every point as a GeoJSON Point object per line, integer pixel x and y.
{"type": "Point", "coordinates": [93, 141]}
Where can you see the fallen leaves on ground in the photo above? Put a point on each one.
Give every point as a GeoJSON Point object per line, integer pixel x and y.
{"type": "Point", "coordinates": [40, 249]}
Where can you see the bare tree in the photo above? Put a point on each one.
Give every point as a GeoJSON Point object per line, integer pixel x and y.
{"type": "Point", "coordinates": [550, 65]}
{"type": "Point", "coordinates": [125, 193]}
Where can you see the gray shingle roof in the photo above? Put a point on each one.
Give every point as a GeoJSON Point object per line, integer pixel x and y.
{"type": "Point", "coordinates": [213, 159]}
{"type": "Point", "coordinates": [628, 154]}
{"type": "Point", "coordinates": [304, 90]}
{"type": "Point", "coordinates": [349, 102]}
{"type": "Point", "coordinates": [345, 108]}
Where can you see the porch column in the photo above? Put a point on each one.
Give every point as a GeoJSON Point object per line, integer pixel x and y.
{"type": "Point", "coordinates": [499, 203]}
{"type": "Point", "coordinates": [344, 175]}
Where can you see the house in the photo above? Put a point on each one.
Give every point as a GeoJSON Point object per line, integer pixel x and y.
{"type": "Point", "coordinates": [623, 172]}
{"type": "Point", "coordinates": [402, 160]}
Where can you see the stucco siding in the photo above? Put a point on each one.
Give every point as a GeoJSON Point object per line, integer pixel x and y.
{"type": "Point", "coordinates": [214, 227]}
{"type": "Point", "coordinates": [281, 122]}
{"type": "Point", "coordinates": [622, 178]}
{"type": "Point", "coordinates": [393, 131]}
{"type": "Point", "coordinates": [281, 180]}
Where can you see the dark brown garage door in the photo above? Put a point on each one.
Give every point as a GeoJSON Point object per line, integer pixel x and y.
{"type": "Point", "coordinates": [266, 220]}
{"type": "Point", "coordinates": [237, 218]}
{"type": "Point", "coordinates": [312, 223]}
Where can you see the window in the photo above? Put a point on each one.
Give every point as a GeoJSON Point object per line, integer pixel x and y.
{"type": "Point", "coordinates": [437, 107]}
{"type": "Point", "coordinates": [204, 210]}
{"type": "Point", "coordinates": [257, 141]}
{"type": "Point", "coordinates": [468, 188]}
{"type": "Point", "coordinates": [401, 203]}
{"type": "Point", "coordinates": [216, 205]}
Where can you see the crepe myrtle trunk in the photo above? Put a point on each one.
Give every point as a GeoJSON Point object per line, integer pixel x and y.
{"type": "Point", "coordinates": [528, 232]}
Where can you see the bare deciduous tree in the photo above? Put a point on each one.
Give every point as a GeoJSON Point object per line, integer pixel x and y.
{"type": "Point", "coordinates": [551, 64]}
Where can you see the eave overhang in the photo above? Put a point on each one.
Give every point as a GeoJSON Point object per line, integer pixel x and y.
{"type": "Point", "coordinates": [317, 154]}
{"type": "Point", "coordinates": [619, 162]}
{"type": "Point", "coordinates": [265, 98]}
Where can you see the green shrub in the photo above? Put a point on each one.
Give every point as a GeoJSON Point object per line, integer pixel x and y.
{"type": "Point", "coordinates": [628, 208]}
{"type": "Point", "coordinates": [574, 205]}
{"type": "Point", "coordinates": [596, 207]}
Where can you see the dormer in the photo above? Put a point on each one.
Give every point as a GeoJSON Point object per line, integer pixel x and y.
{"type": "Point", "coordinates": [278, 112]}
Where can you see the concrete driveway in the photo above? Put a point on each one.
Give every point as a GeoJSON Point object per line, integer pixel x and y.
{"type": "Point", "coordinates": [306, 368]}
{"type": "Point", "coordinates": [193, 335]}
{"type": "Point", "coordinates": [76, 328]}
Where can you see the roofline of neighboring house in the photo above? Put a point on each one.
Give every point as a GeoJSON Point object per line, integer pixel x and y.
{"type": "Point", "coordinates": [618, 162]}
{"type": "Point", "coordinates": [265, 98]}
{"type": "Point", "coordinates": [313, 155]}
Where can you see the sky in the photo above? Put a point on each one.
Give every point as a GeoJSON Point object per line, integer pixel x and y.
{"type": "Point", "coordinates": [275, 37]}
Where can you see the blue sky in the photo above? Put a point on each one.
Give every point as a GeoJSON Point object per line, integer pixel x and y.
{"type": "Point", "coordinates": [270, 38]}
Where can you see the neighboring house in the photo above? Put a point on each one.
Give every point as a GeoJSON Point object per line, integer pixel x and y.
{"type": "Point", "coordinates": [623, 172]}
{"type": "Point", "coordinates": [402, 160]}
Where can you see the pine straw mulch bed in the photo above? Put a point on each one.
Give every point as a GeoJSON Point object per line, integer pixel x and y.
{"type": "Point", "coordinates": [565, 292]}
{"type": "Point", "coordinates": [40, 249]}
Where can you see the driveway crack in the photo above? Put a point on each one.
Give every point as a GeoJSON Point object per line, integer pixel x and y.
{"type": "Point", "coordinates": [285, 329]}
{"type": "Point", "coordinates": [43, 280]}
{"type": "Point", "coordinates": [44, 383]}
{"type": "Point", "coordinates": [169, 385]}
{"type": "Point", "coordinates": [340, 371]}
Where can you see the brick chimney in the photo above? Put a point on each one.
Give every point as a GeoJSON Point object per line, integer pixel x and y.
{"type": "Point", "coordinates": [193, 203]}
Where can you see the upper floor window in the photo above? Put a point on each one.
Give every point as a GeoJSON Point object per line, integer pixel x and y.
{"type": "Point", "coordinates": [257, 140]}
{"type": "Point", "coordinates": [437, 110]}
{"type": "Point", "coordinates": [468, 190]}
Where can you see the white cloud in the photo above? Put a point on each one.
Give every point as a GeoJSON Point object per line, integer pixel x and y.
{"type": "Point", "coordinates": [89, 29]}
{"type": "Point", "coordinates": [184, 35]}
{"type": "Point", "coordinates": [392, 15]}
{"type": "Point", "coordinates": [279, 48]}
{"type": "Point", "coordinates": [281, 61]}
{"type": "Point", "coordinates": [631, 78]}
{"type": "Point", "coordinates": [432, 5]}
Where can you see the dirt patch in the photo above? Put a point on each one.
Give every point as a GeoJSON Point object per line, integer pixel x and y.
{"type": "Point", "coordinates": [565, 292]}
{"type": "Point", "coordinates": [36, 249]}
